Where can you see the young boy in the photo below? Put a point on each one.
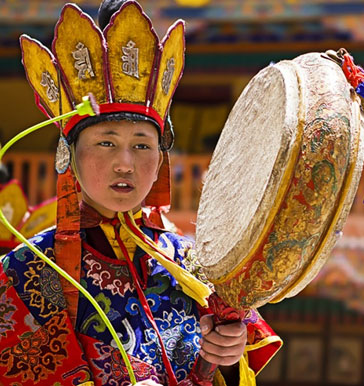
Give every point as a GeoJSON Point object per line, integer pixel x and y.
{"type": "Point", "coordinates": [51, 335]}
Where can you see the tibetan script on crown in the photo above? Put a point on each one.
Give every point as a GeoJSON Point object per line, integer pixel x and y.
{"type": "Point", "coordinates": [131, 60]}
{"type": "Point", "coordinates": [82, 61]}
{"type": "Point", "coordinates": [168, 75]}
{"type": "Point", "coordinates": [52, 90]}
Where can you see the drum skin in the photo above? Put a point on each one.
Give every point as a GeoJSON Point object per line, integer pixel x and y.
{"type": "Point", "coordinates": [281, 181]}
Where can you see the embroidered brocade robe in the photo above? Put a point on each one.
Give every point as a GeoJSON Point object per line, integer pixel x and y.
{"type": "Point", "coordinates": [39, 345]}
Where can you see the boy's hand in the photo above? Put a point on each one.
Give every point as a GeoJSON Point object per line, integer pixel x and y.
{"type": "Point", "coordinates": [223, 345]}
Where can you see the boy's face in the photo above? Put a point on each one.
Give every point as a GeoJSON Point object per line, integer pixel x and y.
{"type": "Point", "coordinates": [117, 164]}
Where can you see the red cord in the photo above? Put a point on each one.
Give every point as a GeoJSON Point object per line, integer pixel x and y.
{"type": "Point", "coordinates": [171, 376]}
{"type": "Point", "coordinates": [353, 73]}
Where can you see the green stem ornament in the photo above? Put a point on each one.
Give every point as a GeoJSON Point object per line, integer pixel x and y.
{"type": "Point", "coordinates": [87, 107]}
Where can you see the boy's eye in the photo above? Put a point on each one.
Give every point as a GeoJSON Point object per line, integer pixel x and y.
{"type": "Point", "coordinates": [141, 146]}
{"type": "Point", "coordinates": [106, 144]}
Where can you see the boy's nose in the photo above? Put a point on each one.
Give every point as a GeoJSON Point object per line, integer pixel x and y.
{"type": "Point", "coordinates": [124, 163]}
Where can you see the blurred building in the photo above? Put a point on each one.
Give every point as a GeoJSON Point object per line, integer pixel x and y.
{"type": "Point", "coordinates": [227, 43]}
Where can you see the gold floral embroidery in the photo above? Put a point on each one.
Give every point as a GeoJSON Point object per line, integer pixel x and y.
{"type": "Point", "coordinates": [38, 354]}
{"type": "Point", "coordinates": [44, 287]}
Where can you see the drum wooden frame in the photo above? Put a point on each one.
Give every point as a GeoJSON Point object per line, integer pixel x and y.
{"type": "Point", "coordinates": [281, 181]}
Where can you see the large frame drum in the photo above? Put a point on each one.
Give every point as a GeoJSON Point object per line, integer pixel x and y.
{"type": "Point", "coordinates": [281, 181]}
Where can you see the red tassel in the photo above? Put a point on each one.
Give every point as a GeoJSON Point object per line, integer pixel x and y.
{"type": "Point", "coordinates": [67, 245]}
{"type": "Point", "coordinates": [353, 73]}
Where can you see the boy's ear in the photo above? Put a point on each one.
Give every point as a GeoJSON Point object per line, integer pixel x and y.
{"type": "Point", "coordinates": [161, 157]}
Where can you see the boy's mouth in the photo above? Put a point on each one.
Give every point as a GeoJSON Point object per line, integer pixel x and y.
{"type": "Point", "coordinates": [122, 187]}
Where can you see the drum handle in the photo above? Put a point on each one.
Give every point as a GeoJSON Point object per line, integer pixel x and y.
{"type": "Point", "coordinates": [202, 373]}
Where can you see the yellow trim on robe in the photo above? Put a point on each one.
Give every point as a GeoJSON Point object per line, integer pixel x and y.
{"type": "Point", "coordinates": [128, 241]}
{"type": "Point", "coordinates": [246, 375]}
{"type": "Point", "coordinates": [262, 343]}
{"type": "Point", "coordinates": [219, 380]}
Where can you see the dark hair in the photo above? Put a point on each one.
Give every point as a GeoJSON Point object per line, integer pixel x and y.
{"type": "Point", "coordinates": [107, 9]}
{"type": "Point", "coordinates": [107, 117]}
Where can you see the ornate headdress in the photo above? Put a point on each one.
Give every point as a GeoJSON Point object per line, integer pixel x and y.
{"type": "Point", "coordinates": [125, 66]}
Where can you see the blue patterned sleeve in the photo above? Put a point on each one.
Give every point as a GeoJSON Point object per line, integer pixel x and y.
{"type": "Point", "coordinates": [182, 248]}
